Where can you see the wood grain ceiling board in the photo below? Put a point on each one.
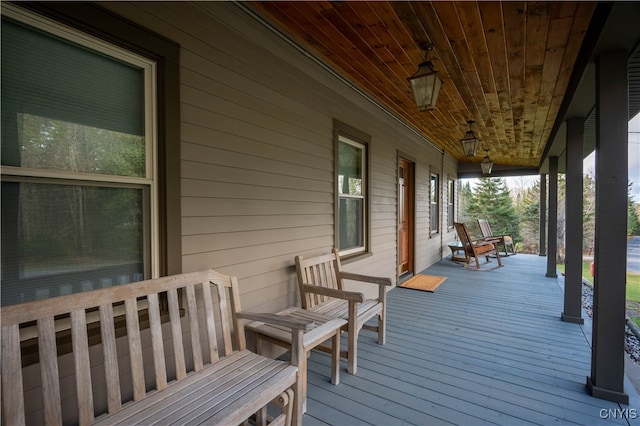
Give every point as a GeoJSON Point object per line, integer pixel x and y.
{"type": "Point", "coordinates": [505, 65]}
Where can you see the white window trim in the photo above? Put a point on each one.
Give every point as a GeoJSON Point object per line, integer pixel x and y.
{"type": "Point", "coordinates": [363, 197]}
{"type": "Point", "coordinates": [437, 204]}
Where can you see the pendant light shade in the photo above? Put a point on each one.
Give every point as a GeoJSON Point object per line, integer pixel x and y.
{"type": "Point", "coordinates": [470, 142]}
{"type": "Point", "coordinates": [486, 164]}
{"type": "Point", "coordinates": [426, 84]}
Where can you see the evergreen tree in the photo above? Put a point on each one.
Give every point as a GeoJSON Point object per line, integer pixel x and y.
{"type": "Point", "coordinates": [490, 199]}
{"type": "Point", "coordinates": [588, 212]}
{"type": "Point", "coordinates": [528, 209]}
{"type": "Point", "coordinates": [464, 194]}
{"type": "Point", "coordinates": [633, 224]}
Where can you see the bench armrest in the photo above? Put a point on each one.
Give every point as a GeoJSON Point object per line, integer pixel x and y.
{"type": "Point", "coordinates": [352, 296]}
{"type": "Point", "coordinates": [281, 320]}
{"type": "Point", "coordinates": [365, 278]}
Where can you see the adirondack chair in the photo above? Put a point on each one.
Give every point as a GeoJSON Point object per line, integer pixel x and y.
{"type": "Point", "coordinates": [504, 240]}
{"type": "Point", "coordinates": [321, 290]}
{"type": "Point", "coordinates": [476, 249]}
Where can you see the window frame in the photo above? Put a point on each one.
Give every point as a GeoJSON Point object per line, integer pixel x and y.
{"type": "Point", "coordinates": [451, 199]}
{"type": "Point", "coordinates": [344, 133]}
{"type": "Point", "coordinates": [94, 20]}
{"type": "Point", "coordinates": [434, 206]}
{"type": "Point", "coordinates": [146, 183]}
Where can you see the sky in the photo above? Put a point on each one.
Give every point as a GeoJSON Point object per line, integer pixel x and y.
{"type": "Point", "coordinates": [589, 164]}
{"type": "Point", "coordinates": [634, 158]}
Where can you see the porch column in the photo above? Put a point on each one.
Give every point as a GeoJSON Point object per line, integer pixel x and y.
{"type": "Point", "coordinates": [607, 353]}
{"type": "Point", "coordinates": [543, 215]}
{"type": "Point", "coordinates": [573, 245]}
{"type": "Point", "coordinates": [552, 239]}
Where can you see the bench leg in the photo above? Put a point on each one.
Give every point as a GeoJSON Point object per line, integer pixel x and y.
{"type": "Point", "coordinates": [285, 402]}
{"type": "Point", "coordinates": [261, 416]}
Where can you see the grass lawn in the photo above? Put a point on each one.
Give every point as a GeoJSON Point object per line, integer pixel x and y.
{"type": "Point", "coordinates": [633, 281]}
{"type": "Point", "coordinates": [633, 290]}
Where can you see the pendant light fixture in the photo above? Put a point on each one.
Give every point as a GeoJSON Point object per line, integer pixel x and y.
{"type": "Point", "coordinates": [470, 142]}
{"type": "Point", "coordinates": [486, 164]}
{"type": "Point", "coordinates": [426, 84]}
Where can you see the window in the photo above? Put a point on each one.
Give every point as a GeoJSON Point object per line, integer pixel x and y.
{"type": "Point", "coordinates": [435, 204]}
{"type": "Point", "coordinates": [451, 193]}
{"type": "Point", "coordinates": [79, 178]}
{"type": "Point", "coordinates": [352, 195]}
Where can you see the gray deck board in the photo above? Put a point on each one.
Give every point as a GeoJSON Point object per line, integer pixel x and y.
{"type": "Point", "coordinates": [485, 348]}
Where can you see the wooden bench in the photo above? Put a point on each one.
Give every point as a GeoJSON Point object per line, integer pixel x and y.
{"type": "Point", "coordinates": [322, 290]}
{"type": "Point", "coordinates": [189, 365]}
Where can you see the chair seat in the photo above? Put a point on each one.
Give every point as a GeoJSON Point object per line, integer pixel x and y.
{"type": "Point", "coordinates": [340, 308]}
{"type": "Point", "coordinates": [322, 327]}
{"type": "Point", "coordinates": [482, 248]}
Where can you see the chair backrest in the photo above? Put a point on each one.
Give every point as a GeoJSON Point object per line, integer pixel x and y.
{"type": "Point", "coordinates": [485, 228]}
{"type": "Point", "coordinates": [463, 235]}
{"type": "Point", "coordinates": [319, 271]}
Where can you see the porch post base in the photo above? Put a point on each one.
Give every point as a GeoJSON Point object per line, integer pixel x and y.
{"type": "Point", "coordinates": [571, 318]}
{"type": "Point", "coordinates": [550, 275]}
{"type": "Point", "coordinates": [607, 394]}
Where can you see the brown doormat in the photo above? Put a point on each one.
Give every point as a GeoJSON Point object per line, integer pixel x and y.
{"type": "Point", "coordinates": [424, 282]}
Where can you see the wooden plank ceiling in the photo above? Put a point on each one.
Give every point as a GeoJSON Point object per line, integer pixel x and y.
{"type": "Point", "coordinates": [505, 65]}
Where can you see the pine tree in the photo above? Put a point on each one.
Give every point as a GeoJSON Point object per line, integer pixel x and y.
{"type": "Point", "coordinates": [464, 194]}
{"type": "Point", "coordinates": [633, 224]}
{"type": "Point", "coordinates": [490, 199]}
{"type": "Point", "coordinates": [528, 209]}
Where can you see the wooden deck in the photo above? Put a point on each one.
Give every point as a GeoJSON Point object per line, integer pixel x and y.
{"type": "Point", "coordinates": [485, 348]}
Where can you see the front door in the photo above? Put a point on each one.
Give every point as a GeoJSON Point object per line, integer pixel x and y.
{"type": "Point", "coordinates": [405, 217]}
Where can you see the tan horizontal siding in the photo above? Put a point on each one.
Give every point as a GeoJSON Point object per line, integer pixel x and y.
{"type": "Point", "coordinates": [257, 154]}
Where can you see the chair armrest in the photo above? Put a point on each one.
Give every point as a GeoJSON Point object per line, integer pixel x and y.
{"type": "Point", "coordinates": [365, 278]}
{"type": "Point", "coordinates": [281, 320]}
{"type": "Point", "coordinates": [352, 296]}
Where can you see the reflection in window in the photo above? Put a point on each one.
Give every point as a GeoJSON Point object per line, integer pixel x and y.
{"type": "Point", "coordinates": [45, 143]}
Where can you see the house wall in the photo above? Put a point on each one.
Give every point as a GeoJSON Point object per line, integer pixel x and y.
{"type": "Point", "coordinates": [257, 154]}
{"type": "Point", "coordinates": [257, 169]}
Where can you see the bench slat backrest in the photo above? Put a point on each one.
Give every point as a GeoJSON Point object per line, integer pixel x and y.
{"type": "Point", "coordinates": [208, 336]}
{"type": "Point", "coordinates": [321, 271]}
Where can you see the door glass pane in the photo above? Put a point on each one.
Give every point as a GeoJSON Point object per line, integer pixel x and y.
{"type": "Point", "coordinates": [351, 223]}
{"type": "Point", "coordinates": [61, 239]}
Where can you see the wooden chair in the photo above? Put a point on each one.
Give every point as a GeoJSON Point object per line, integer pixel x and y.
{"type": "Point", "coordinates": [476, 249]}
{"type": "Point", "coordinates": [321, 290]}
{"type": "Point", "coordinates": [504, 240]}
